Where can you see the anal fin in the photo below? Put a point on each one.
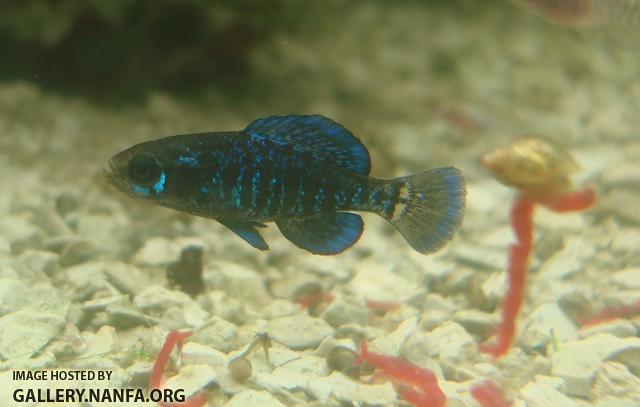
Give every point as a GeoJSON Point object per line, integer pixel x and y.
{"type": "Point", "coordinates": [247, 230]}
{"type": "Point", "coordinates": [328, 233]}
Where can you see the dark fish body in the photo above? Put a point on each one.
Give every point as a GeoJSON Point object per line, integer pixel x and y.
{"type": "Point", "coordinates": [306, 173]}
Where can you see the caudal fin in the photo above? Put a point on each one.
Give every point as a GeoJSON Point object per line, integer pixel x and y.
{"type": "Point", "coordinates": [430, 207]}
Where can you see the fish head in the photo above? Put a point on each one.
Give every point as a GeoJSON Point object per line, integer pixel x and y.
{"type": "Point", "coordinates": [144, 171]}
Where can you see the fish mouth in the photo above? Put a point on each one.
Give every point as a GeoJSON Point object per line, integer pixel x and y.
{"type": "Point", "coordinates": [114, 176]}
{"type": "Point", "coordinates": [111, 173]}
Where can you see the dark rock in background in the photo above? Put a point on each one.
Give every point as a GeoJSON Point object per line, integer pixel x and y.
{"type": "Point", "coordinates": [113, 48]}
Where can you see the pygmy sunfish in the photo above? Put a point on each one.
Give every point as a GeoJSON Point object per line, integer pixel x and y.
{"type": "Point", "coordinates": [305, 173]}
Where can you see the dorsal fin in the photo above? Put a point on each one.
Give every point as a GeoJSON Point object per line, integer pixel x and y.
{"type": "Point", "coordinates": [317, 134]}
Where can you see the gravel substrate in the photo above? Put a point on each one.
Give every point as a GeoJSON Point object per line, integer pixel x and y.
{"type": "Point", "coordinates": [83, 269]}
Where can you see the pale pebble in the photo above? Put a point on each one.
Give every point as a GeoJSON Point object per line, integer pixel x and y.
{"type": "Point", "coordinates": [484, 196]}
{"type": "Point", "coordinates": [421, 350]}
{"type": "Point", "coordinates": [431, 319]}
{"type": "Point", "coordinates": [625, 241]}
{"type": "Point", "coordinates": [628, 277]}
{"type": "Point", "coordinates": [546, 324]}
{"type": "Point", "coordinates": [280, 308]}
{"type": "Point", "coordinates": [518, 368]}
{"type": "Point", "coordinates": [344, 389]}
{"type": "Point", "coordinates": [454, 346]}
{"type": "Point", "coordinates": [282, 378]}
{"type": "Point", "coordinates": [27, 331]}
{"type": "Point", "coordinates": [5, 246]}
{"type": "Point", "coordinates": [157, 298]}
{"type": "Point", "coordinates": [500, 237]}
{"type": "Point", "coordinates": [628, 212]}
{"type": "Point", "coordinates": [494, 287]}
{"type": "Point", "coordinates": [238, 282]}
{"type": "Point", "coordinates": [392, 343]}
{"type": "Point", "coordinates": [623, 173]}
{"type": "Point", "coordinates": [253, 398]}
{"type": "Point", "coordinates": [610, 401]}
{"type": "Point", "coordinates": [126, 278]}
{"type": "Point", "coordinates": [481, 257]}
{"type": "Point", "coordinates": [288, 286]}
{"type": "Point", "coordinates": [15, 295]}
{"type": "Point", "coordinates": [340, 312]}
{"type": "Point", "coordinates": [220, 304]}
{"type": "Point", "coordinates": [196, 353]}
{"type": "Point", "coordinates": [86, 279]}
{"type": "Point", "coordinates": [18, 229]}
{"type": "Point", "coordinates": [102, 343]}
{"type": "Point", "coordinates": [436, 302]}
{"type": "Point", "coordinates": [100, 229]}
{"type": "Point", "coordinates": [564, 221]}
{"type": "Point", "coordinates": [432, 267]}
{"type": "Point", "coordinates": [538, 394]}
{"type": "Point", "coordinates": [567, 261]}
{"type": "Point", "coordinates": [123, 315]}
{"type": "Point", "coordinates": [160, 251]}
{"type": "Point", "coordinates": [578, 362]}
{"type": "Point", "coordinates": [192, 378]}
{"type": "Point", "coordinates": [392, 318]}
{"type": "Point", "coordinates": [621, 328]}
{"type": "Point", "coordinates": [477, 322]}
{"type": "Point", "coordinates": [338, 268]}
{"type": "Point", "coordinates": [299, 332]}
{"type": "Point", "coordinates": [32, 262]}
{"type": "Point", "coordinates": [378, 282]}
{"type": "Point", "coordinates": [614, 379]}
{"type": "Point", "coordinates": [219, 334]}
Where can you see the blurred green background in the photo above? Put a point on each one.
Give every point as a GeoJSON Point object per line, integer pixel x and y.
{"type": "Point", "coordinates": [121, 49]}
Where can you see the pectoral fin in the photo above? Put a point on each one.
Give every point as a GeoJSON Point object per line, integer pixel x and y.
{"type": "Point", "coordinates": [247, 231]}
{"type": "Point", "coordinates": [325, 234]}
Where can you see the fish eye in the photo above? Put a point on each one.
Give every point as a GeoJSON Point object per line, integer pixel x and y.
{"type": "Point", "coordinates": [144, 169]}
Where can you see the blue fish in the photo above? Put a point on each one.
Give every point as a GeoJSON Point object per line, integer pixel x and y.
{"type": "Point", "coordinates": [308, 174]}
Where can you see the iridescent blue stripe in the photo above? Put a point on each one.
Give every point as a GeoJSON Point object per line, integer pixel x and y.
{"type": "Point", "coordinates": [236, 191]}
{"type": "Point", "coordinates": [373, 198]}
{"type": "Point", "coordinates": [298, 206]}
{"type": "Point", "coordinates": [283, 196]}
{"type": "Point", "coordinates": [216, 181]}
{"type": "Point", "coordinates": [318, 199]}
{"type": "Point", "coordinates": [340, 199]}
{"type": "Point", "coordinates": [272, 191]}
{"type": "Point", "coordinates": [188, 161]}
{"type": "Point", "coordinates": [140, 191]}
{"type": "Point", "coordinates": [355, 200]}
{"type": "Point", "coordinates": [159, 186]}
{"type": "Point", "coordinates": [254, 189]}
